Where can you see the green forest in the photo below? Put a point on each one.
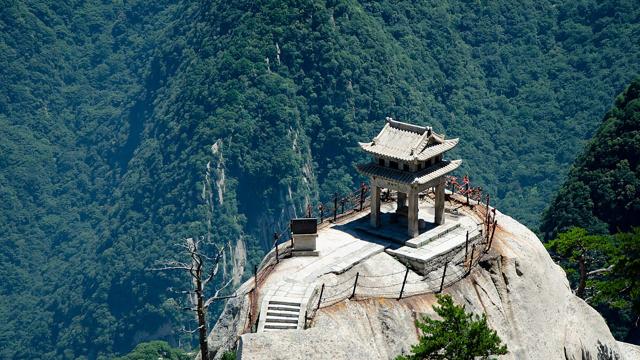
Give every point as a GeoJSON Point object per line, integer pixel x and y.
{"type": "Point", "coordinates": [109, 111]}
{"type": "Point", "coordinates": [593, 222]}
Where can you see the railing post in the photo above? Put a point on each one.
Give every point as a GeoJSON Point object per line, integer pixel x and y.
{"type": "Point", "coordinates": [486, 221]}
{"type": "Point", "coordinates": [342, 201]}
{"type": "Point", "coordinates": [255, 274]}
{"type": "Point", "coordinates": [466, 246]}
{"type": "Point", "coordinates": [275, 243]}
{"type": "Point", "coordinates": [321, 208]}
{"type": "Point", "coordinates": [444, 273]}
{"type": "Point", "coordinates": [473, 250]}
{"type": "Point", "coordinates": [305, 319]}
{"type": "Point", "coordinates": [403, 283]}
{"type": "Point", "coordinates": [493, 231]}
{"type": "Point", "coordinates": [361, 196]}
{"type": "Point", "coordinates": [466, 190]}
{"type": "Point", "coordinates": [355, 284]}
{"type": "Point", "coordinates": [320, 298]}
{"type": "Point", "coordinates": [308, 210]}
{"type": "Point", "coordinates": [335, 207]}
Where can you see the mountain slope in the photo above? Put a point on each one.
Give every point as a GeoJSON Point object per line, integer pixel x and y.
{"type": "Point", "coordinates": [601, 196]}
{"type": "Point", "coordinates": [602, 190]}
{"type": "Point", "coordinates": [108, 112]}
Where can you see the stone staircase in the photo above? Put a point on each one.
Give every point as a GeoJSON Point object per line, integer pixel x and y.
{"type": "Point", "coordinates": [281, 315]}
{"type": "Point", "coordinates": [283, 306]}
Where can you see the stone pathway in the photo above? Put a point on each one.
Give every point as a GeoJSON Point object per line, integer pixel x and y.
{"type": "Point", "coordinates": [285, 307]}
{"type": "Point", "coordinates": [293, 282]}
{"type": "Point", "coordinates": [286, 293]}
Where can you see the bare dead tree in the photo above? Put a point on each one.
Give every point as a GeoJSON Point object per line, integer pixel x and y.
{"type": "Point", "coordinates": [209, 274]}
{"type": "Point", "coordinates": [203, 270]}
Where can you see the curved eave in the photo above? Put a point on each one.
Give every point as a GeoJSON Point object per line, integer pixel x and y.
{"type": "Point", "coordinates": [421, 177]}
{"type": "Point", "coordinates": [393, 154]}
{"type": "Point", "coordinates": [436, 150]}
{"type": "Point", "coordinates": [444, 170]}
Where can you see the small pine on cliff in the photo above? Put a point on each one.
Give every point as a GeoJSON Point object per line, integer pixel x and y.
{"type": "Point", "coordinates": [602, 190]}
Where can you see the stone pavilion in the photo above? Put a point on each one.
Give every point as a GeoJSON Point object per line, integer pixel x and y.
{"type": "Point", "coordinates": [409, 159]}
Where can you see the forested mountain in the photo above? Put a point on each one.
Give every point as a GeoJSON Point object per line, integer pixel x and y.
{"type": "Point", "coordinates": [593, 223]}
{"type": "Point", "coordinates": [602, 190]}
{"type": "Point", "coordinates": [109, 112]}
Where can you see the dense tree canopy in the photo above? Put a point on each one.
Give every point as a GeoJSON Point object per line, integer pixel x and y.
{"type": "Point", "coordinates": [109, 110]}
{"type": "Point", "coordinates": [602, 190]}
{"type": "Point", "coordinates": [155, 350]}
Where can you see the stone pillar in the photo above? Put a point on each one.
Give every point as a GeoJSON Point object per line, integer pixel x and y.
{"type": "Point", "coordinates": [412, 214]}
{"type": "Point", "coordinates": [375, 205]}
{"type": "Point", "coordinates": [402, 200]}
{"type": "Point", "coordinates": [439, 205]}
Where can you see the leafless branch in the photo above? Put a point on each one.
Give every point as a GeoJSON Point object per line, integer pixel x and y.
{"type": "Point", "coordinates": [191, 331]}
{"type": "Point", "coordinates": [214, 298]}
{"type": "Point", "coordinates": [600, 271]}
{"type": "Point", "coordinates": [163, 268]}
{"type": "Point", "coordinates": [186, 292]}
{"type": "Point", "coordinates": [216, 295]}
{"type": "Point", "coordinates": [214, 269]}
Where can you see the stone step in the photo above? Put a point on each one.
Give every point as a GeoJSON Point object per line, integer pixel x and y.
{"type": "Point", "coordinates": [290, 308]}
{"type": "Point", "coordinates": [277, 302]}
{"type": "Point", "coordinates": [283, 314]}
{"type": "Point", "coordinates": [280, 320]}
{"type": "Point", "coordinates": [363, 252]}
{"type": "Point", "coordinates": [280, 327]}
{"type": "Point", "coordinates": [432, 234]}
{"type": "Point", "coordinates": [350, 247]}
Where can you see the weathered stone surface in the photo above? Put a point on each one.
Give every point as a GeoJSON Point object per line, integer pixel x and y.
{"type": "Point", "coordinates": [230, 324]}
{"type": "Point", "coordinates": [525, 296]}
{"type": "Point", "coordinates": [629, 351]}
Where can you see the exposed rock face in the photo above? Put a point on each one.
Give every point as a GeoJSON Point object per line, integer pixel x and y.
{"type": "Point", "coordinates": [629, 351]}
{"type": "Point", "coordinates": [525, 296]}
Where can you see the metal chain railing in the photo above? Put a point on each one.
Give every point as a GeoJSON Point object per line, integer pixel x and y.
{"type": "Point", "coordinates": [357, 200]}
{"type": "Point", "coordinates": [457, 264]}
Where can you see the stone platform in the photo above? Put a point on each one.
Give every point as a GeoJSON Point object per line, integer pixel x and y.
{"type": "Point", "coordinates": [286, 292]}
{"type": "Point", "coordinates": [432, 247]}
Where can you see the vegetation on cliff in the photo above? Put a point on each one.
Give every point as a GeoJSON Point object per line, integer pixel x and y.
{"type": "Point", "coordinates": [604, 271]}
{"type": "Point", "coordinates": [457, 336]}
{"type": "Point", "coordinates": [109, 111]}
{"type": "Point", "coordinates": [602, 190]}
{"type": "Point", "coordinates": [595, 217]}
{"type": "Point", "coordinates": [155, 350]}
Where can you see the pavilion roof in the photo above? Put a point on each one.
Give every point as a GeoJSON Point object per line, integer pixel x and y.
{"type": "Point", "coordinates": [407, 142]}
{"type": "Point", "coordinates": [420, 177]}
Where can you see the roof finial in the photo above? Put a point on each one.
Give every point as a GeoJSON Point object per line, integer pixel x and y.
{"type": "Point", "coordinates": [389, 118]}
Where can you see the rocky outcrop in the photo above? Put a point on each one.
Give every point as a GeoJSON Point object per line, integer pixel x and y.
{"type": "Point", "coordinates": [524, 294]}
{"type": "Point", "coordinates": [629, 351]}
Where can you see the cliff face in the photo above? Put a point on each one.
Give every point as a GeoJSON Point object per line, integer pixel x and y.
{"type": "Point", "coordinates": [525, 296]}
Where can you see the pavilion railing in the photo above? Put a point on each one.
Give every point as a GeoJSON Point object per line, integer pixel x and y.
{"type": "Point", "coordinates": [457, 263]}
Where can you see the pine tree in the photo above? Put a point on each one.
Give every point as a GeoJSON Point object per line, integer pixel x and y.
{"type": "Point", "coordinates": [458, 336]}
